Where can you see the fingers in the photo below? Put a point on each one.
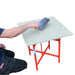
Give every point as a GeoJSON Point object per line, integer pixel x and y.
{"type": "Point", "coordinates": [34, 25]}
{"type": "Point", "coordinates": [37, 25]}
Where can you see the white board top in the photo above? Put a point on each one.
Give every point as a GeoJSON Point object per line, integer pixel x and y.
{"type": "Point", "coordinates": [53, 30]}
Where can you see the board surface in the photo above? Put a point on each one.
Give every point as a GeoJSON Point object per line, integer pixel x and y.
{"type": "Point", "coordinates": [53, 30]}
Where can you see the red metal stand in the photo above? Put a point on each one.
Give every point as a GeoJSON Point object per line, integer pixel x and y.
{"type": "Point", "coordinates": [44, 52]}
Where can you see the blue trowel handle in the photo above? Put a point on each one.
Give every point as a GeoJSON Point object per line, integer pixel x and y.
{"type": "Point", "coordinates": [43, 23]}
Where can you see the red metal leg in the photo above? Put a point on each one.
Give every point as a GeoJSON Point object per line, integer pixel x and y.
{"type": "Point", "coordinates": [35, 57]}
{"type": "Point", "coordinates": [29, 50]}
{"type": "Point", "coordinates": [59, 50]}
{"type": "Point", "coordinates": [41, 48]}
{"type": "Point", "coordinates": [49, 44]}
{"type": "Point", "coordinates": [36, 62]}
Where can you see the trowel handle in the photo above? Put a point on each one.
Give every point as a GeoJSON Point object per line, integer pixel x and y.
{"type": "Point", "coordinates": [33, 28]}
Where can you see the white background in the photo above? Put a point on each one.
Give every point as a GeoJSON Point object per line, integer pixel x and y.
{"type": "Point", "coordinates": [15, 11]}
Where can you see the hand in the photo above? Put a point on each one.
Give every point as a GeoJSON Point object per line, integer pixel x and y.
{"type": "Point", "coordinates": [2, 46]}
{"type": "Point", "coordinates": [34, 24]}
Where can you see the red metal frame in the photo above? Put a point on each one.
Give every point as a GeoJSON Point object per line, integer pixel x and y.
{"type": "Point", "coordinates": [44, 52]}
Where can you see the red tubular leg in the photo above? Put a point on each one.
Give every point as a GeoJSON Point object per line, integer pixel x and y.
{"type": "Point", "coordinates": [59, 51]}
{"type": "Point", "coordinates": [29, 50]}
{"type": "Point", "coordinates": [49, 44]}
{"type": "Point", "coordinates": [41, 47]}
{"type": "Point", "coordinates": [36, 62]}
{"type": "Point", "coordinates": [35, 57]}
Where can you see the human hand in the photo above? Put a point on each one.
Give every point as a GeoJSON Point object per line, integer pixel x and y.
{"type": "Point", "coordinates": [35, 25]}
{"type": "Point", "coordinates": [2, 46]}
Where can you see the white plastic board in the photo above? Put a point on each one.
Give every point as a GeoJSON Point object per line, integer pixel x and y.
{"type": "Point", "coordinates": [53, 30]}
